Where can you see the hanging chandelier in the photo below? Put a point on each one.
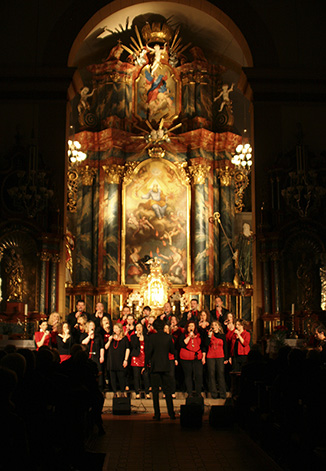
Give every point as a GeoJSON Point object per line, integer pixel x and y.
{"type": "Point", "coordinates": [242, 158]}
{"type": "Point", "coordinates": [74, 152]}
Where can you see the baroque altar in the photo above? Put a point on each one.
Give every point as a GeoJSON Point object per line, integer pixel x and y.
{"type": "Point", "coordinates": [156, 124]}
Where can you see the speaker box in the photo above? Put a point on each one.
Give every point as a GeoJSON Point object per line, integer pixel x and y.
{"type": "Point", "coordinates": [221, 416]}
{"type": "Point", "coordinates": [196, 400]}
{"type": "Point", "coordinates": [191, 415]}
{"type": "Point", "coordinates": [121, 406]}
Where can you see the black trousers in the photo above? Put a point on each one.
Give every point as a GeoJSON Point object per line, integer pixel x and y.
{"type": "Point", "coordinates": [193, 369]}
{"type": "Point", "coordinates": [157, 379]}
{"type": "Point", "coordinates": [137, 379]}
{"type": "Point", "coordinates": [118, 377]}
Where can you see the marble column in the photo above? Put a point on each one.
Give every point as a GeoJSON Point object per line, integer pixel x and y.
{"type": "Point", "coordinates": [85, 227]}
{"type": "Point", "coordinates": [201, 235]}
{"type": "Point", "coordinates": [227, 212]}
{"type": "Point", "coordinates": [44, 257]}
{"type": "Point", "coordinates": [113, 175]}
{"type": "Point", "coordinates": [53, 282]}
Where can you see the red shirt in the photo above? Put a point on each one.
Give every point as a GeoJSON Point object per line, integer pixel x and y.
{"type": "Point", "coordinates": [229, 336]}
{"type": "Point", "coordinates": [39, 336]}
{"type": "Point", "coordinates": [140, 360]}
{"type": "Point", "coordinates": [216, 347]}
{"type": "Point", "coordinates": [243, 349]}
{"type": "Point", "coordinates": [192, 349]}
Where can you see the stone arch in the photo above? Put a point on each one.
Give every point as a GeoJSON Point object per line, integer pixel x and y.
{"type": "Point", "coordinates": [243, 22]}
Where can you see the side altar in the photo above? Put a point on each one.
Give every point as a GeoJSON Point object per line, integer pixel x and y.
{"type": "Point", "coordinates": [156, 123]}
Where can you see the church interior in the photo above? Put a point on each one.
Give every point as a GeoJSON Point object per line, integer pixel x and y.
{"type": "Point", "coordinates": [164, 151]}
{"type": "Point", "coordinates": [168, 119]}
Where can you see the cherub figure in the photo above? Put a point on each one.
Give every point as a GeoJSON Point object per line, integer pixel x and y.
{"type": "Point", "coordinates": [141, 58]}
{"type": "Point", "coordinates": [158, 52]}
{"type": "Point", "coordinates": [83, 104]}
{"type": "Point", "coordinates": [225, 96]}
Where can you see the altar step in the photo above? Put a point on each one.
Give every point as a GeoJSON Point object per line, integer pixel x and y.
{"type": "Point", "coordinates": [145, 406]}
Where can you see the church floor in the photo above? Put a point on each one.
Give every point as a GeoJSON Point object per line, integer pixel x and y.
{"type": "Point", "coordinates": [136, 442]}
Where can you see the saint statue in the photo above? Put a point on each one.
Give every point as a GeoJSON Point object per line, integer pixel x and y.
{"type": "Point", "coordinates": [15, 271]}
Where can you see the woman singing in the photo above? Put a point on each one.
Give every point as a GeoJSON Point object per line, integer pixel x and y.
{"type": "Point", "coordinates": [64, 341]}
{"type": "Point", "coordinates": [118, 353]}
{"type": "Point", "coordinates": [217, 357]}
{"type": "Point", "coordinates": [240, 345]}
{"type": "Point", "coordinates": [138, 346]}
{"type": "Point", "coordinates": [43, 336]}
{"type": "Point", "coordinates": [192, 357]}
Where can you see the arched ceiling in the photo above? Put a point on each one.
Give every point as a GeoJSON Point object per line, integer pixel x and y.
{"type": "Point", "coordinates": [197, 26]}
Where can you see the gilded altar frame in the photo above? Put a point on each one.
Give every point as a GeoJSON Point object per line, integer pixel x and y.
{"type": "Point", "coordinates": [168, 240]}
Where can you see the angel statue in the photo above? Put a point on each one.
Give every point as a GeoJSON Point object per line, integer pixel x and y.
{"type": "Point", "coordinates": [83, 104]}
{"type": "Point", "coordinates": [225, 92]}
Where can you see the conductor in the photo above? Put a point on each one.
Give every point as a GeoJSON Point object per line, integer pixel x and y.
{"type": "Point", "coordinates": [157, 356]}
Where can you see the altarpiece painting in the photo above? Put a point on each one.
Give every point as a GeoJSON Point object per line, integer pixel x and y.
{"type": "Point", "coordinates": [156, 222]}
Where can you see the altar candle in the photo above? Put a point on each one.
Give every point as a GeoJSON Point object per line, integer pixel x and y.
{"type": "Point", "coordinates": [292, 309]}
{"type": "Point", "coordinates": [26, 309]}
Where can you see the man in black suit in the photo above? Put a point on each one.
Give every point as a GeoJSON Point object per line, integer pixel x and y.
{"type": "Point", "coordinates": [193, 314]}
{"type": "Point", "coordinates": [73, 316]}
{"type": "Point", "coordinates": [219, 313]}
{"type": "Point", "coordinates": [157, 356]}
{"type": "Point", "coordinates": [98, 316]}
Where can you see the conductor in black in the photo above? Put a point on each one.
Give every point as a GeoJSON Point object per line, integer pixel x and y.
{"type": "Point", "coordinates": [157, 357]}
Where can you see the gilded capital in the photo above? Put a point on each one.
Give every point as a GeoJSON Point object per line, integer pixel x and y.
{"type": "Point", "coordinates": [199, 173]}
{"type": "Point", "coordinates": [56, 258]}
{"type": "Point", "coordinates": [44, 256]}
{"type": "Point", "coordinates": [113, 173]}
{"type": "Point", "coordinates": [226, 175]}
{"type": "Point", "coordinates": [87, 173]}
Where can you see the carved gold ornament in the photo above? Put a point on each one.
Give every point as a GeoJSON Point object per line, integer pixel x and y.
{"type": "Point", "coordinates": [72, 187]}
{"type": "Point", "coordinates": [87, 173]}
{"type": "Point", "coordinates": [199, 173]}
{"type": "Point", "coordinates": [225, 175]}
{"type": "Point", "coordinates": [114, 173]}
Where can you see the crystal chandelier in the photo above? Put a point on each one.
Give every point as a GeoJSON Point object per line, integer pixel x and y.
{"type": "Point", "coordinates": [74, 149]}
{"type": "Point", "coordinates": [242, 158]}
{"type": "Point", "coordinates": [74, 152]}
